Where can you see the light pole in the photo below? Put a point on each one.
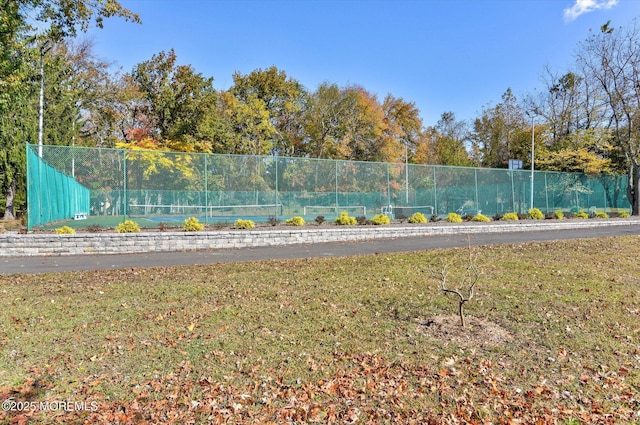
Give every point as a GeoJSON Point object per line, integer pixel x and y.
{"type": "Point", "coordinates": [46, 46]}
{"type": "Point", "coordinates": [533, 141]}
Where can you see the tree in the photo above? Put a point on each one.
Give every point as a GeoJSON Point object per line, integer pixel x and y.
{"type": "Point", "coordinates": [322, 120]}
{"type": "Point", "coordinates": [611, 59]}
{"type": "Point", "coordinates": [403, 123]}
{"type": "Point", "coordinates": [448, 141]}
{"type": "Point", "coordinates": [464, 291]}
{"type": "Point", "coordinates": [22, 24]}
{"type": "Point", "coordinates": [494, 132]}
{"type": "Point", "coordinates": [365, 124]}
{"type": "Point", "coordinates": [282, 97]}
{"type": "Point", "coordinates": [251, 130]}
{"type": "Point", "coordinates": [176, 99]}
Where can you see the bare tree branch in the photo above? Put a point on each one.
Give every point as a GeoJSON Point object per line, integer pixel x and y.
{"type": "Point", "coordinates": [467, 284]}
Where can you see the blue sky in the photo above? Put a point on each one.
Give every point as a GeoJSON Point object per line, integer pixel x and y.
{"type": "Point", "coordinates": [443, 55]}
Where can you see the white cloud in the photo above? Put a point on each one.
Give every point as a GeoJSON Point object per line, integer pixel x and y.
{"type": "Point", "coordinates": [585, 6]}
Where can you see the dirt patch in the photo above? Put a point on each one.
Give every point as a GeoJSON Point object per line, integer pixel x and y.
{"type": "Point", "coordinates": [477, 332]}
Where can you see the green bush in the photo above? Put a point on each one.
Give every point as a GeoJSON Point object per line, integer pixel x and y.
{"type": "Point", "coordinates": [345, 220]}
{"type": "Point", "coordinates": [454, 218]}
{"type": "Point", "coordinates": [581, 214]}
{"type": "Point", "coordinates": [65, 230]}
{"type": "Point", "coordinates": [192, 225]}
{"type": "Point", "coordinates": [510, 217]}
{"type": "Point", "coordinates": [558, 214]}
{"type": "Point", "coordinates": [244, 224]}
{"type": "Point", "coordinates": [380, 219]}
{"type": "Point", "coordinates": [480, 217]}
{"type": "Point", "coordinates": [535, 214]}
{"type": "Point", "coordinates": [601, 214]}
{"type": "Point", "coordinates": [624, 214]}
{"type": "Point", "coordinates": [128, 226]}
{"type": "Point", "coordinates": [295, 221]}
{"type": "Point", "coordinates": [417, 218]}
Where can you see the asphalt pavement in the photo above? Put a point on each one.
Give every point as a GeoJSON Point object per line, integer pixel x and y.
{"type": "Point", "coordinates": [39, 264]}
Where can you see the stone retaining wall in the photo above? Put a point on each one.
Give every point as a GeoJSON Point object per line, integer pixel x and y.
{"type": "Point", "coordinates": [13, 244]}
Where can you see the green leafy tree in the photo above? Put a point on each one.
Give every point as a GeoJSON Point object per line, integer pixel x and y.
{"type": "Point", "coordinates": [22, 24]}
{"type": "Point", "coordinates": [176, 99]}
{"type": "Point", "coordinates": [282, 97]}
{"type": "Point", "coordinates": [495, 131]}
{"type": "Point", "coordinates": [322, 120]}
{"type": "Point", "coordinates": [250, 128]}
{"type": "Point", "coordinates": [448, 142]}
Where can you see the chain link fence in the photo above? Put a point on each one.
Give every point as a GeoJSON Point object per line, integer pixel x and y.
{"type": "Point", "coordinates": [106, 186]}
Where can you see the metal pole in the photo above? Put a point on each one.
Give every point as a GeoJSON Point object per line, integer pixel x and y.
{"type": "Point", "coordinates": [73, 147]}
{"type": "Point", "coordinates": [124, 183]}
{"type": "Point", "coordinates": [406, 173]}
{"type": "Point", "coordinates": [435, 192]}
{"type": "Point", "coordinates": [336, 204]}
{"type": "Point", "coordinates": [476, 179]}
{"type": "Point", "coordinates": [46, 46]}
{"type": "Point", "coordinates": [533, 141]}
{"type": "Point", "coordinates": [206, 190]}
{"type": "Point", "coordinates": [388, 186]}
{"type": "Point", "coordinates": [275, 157]}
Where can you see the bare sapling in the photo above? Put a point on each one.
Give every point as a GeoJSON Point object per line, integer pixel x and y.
{"type": "Point", "coordinates": [464, 291]}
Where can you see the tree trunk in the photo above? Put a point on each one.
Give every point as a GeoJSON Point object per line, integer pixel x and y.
{"type": "Point", "coordinates": [461, 313]}
{"type": "Point", "coordinates": [9, 213]}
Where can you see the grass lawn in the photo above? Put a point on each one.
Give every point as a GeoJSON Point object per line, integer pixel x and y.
{"type": "Point", "coordinates": [553, 337]}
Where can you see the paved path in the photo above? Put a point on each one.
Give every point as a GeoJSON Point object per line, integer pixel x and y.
{"type": "Point", "coordinates": [329, 249]}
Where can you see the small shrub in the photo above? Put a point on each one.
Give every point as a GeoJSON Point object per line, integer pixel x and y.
{"type": "Point", "coordinates": [417, 218]}
{"type": "Point", "coordinates": [581, 214]}
{"type": "Point", "coordinates": [601, 214]}
{"type": "Point", "coordinates": [401, 218]}
{"type": "Point", "coordinates": [523, 216]}
{"type": "Point", "coordinates": [510, 217]}
{"type": "Point", "coordinates": [362, 220]}
{"type": "Point", "coordinates": [65, 230]}
{"type": "Point", "coordinates": [624, 214]}
{"type": "Point", "coordinates": [380, 219]}
{"type": "Point", "coordinates": [454, 218]}
{"type": "Point", "coordinates": [558, 214]}
{"type": "Point", "coordinates": [497, 217]}
{"type": "Point", "coordinates": [244, 224]}
{"type": "Point", "coordinates": [94, 228]}
{"type": "Point", "coordinates": [345, 220]}
{"type": "Point", "coordinates": [295, 221]}
{"type": "Point", "coordinates": [273, 221]}
{"type": "Point", "coordinates": [192, 224]}
{"type": "Point", "coordinates": [434, 218]}
{"type": "Point", "coordinates": [320, 219]}
{"type": "Point", "coordinates": [535, 214]}
{"type": "Point", "coordinates": [467, 217]}
{"type": "Point", "coordinates": [162, 226]}
{"type": "Point", "coordinates": [481, 218]}
{"type": "Point", "coordinates": [128, 226]}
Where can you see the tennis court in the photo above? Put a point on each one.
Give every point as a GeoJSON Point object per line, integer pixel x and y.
{"type": "Point", "coordinates": [151, 187]}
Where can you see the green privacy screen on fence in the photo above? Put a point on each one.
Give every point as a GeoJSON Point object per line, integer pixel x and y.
{"type": "Point", "coordinates": [52, 194]}
{"type": "Point", "coordinates": [155, 187]}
